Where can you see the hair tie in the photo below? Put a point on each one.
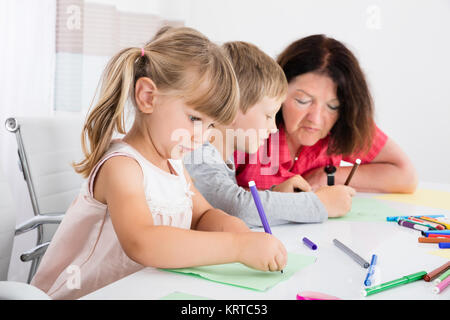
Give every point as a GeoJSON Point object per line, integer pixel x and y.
{"type": "Point", "coordinates": [142, 52]}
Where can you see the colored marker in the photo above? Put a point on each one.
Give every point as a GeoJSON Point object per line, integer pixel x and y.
{"type": "Point", "coordinates": [259, 207]}
{"type": "Point", "coordinates": [412, 225]}
{"type": "Point", "coordinates": [427, 223]}
{"type": "Point", "coordinates": [350, 176]}
{"type": "Point", "coordinates": [394, 283]}
{"type": "Point", "coordinates": [309, 243]}
{"type": "Point", "coordinates": [442, 277]}
{"type": "Point", "coordinates": [363, 263]}
{"type": "Point", "coordinates": [441, 286]}
{"type": "Point", "coordinates": [432, 235]}
{"type": "Point", "coordinates": [436, 272]}
{"type": "Point", "coordinates": [433, 240]}
{"type": "Point", "coordinates": [330, 170]}
{"type": "Point", "coordinates": [446, 225]}
{"type": "Point", "coordinates": [373, 262]}
{"type": "Point", "coordinates": [396, 218]}
{"type": "Point", "coordinates": [440, 232]}
{"type": "Point", "coordinates": [311, 295]}
{"type": "Point", "coordinates": [444, 245]}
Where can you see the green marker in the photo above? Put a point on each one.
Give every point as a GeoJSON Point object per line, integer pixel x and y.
{"type": "Point", "coordinates": [442, 277]}
{"type": "Point", "coordinates": [394, 283]}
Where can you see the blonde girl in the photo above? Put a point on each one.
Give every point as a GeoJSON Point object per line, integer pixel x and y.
{"type": "Point", "coordinates": [139, 207]}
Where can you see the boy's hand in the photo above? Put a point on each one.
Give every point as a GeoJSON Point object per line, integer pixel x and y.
{"type": "Point", "coordinates": [262, 251]}
{"type": "Point", "coordinates": [293, 183]}
{"type": "Point", "coordinates": [337, 199]}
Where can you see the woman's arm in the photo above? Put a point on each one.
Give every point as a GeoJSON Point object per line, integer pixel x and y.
{"type": "Point", "coordinates": [390, 171]}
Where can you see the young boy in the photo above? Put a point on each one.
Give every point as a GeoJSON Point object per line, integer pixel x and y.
{"type": "Point", "coordinates": [263, 88]}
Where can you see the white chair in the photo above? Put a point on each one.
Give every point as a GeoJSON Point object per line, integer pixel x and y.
{"type": "Point", "coordinates": [7, 226]}
{"type": "Point", "coordinates": [10, 290]}
{"type": "Point", "coordinates": [13, 290]}
{"type": "Point", "coordinates": [46, 148]}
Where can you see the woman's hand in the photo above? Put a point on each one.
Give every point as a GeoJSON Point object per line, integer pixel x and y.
{"type": "Point", "coordinates": [293, 183]}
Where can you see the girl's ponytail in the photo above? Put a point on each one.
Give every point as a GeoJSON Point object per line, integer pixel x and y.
{"type": "Point", "coordinates": [108, 114]}
{"type": "Point", "coordinates": [181, 62]}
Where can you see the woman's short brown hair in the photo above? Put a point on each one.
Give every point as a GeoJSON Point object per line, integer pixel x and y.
{"type": "Point", "coordinates": [353, 131]}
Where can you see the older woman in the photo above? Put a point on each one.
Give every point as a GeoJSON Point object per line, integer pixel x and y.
{"type": "Point", "coordinates": [327, 117]}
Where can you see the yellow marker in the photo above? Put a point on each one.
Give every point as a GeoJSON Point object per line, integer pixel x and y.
{"type": "Point", "coordinates": [446, 225]}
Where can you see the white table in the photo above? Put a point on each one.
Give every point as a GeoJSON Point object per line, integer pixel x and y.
{"type": "Point", "coordinates": [333, 273]}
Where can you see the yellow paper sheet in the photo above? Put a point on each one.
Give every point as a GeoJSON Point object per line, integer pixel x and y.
{"type": "Point", "coordinates": [422, 197]}
{"type": "Point", "coordinates": [444, 253]}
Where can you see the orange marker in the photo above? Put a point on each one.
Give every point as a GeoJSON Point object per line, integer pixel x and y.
{"type": "Point", "coordinates": [433, 240]}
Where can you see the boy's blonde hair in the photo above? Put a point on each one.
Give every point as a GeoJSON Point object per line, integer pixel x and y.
{"type": "Point", "coordinates": [181, 62]}
{"type": "Point", "coordinates": [258, 74]}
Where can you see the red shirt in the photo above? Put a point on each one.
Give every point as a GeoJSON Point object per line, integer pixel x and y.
{"type": "Point", "coordinates": [266, 170]}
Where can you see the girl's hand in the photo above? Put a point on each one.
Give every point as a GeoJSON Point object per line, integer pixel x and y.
{"type": "Point", "coordinates": [337, 199]}
{"type": "Point", "coordinates": [295, 182]}
{"type": "Point", "coordinates": [261, 251]}
{"type": "Point", "coordinates": [316, 178]}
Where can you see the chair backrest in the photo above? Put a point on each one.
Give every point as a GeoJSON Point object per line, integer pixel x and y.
{"type": "Point", "coordinates": [47, 146]}
{"type": "Point", "coordinates": [7, 226]}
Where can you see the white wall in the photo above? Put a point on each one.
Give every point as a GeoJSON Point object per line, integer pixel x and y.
{"type": "Point", "coordinates": [27, 33]}
{"type": "Point", "coordinates": [403, 47]}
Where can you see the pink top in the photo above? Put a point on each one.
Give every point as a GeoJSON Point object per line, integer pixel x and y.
{"type": "Point", "coordinates": [85, 253]}
{"type": "Point", "coordinates": [272, 164]}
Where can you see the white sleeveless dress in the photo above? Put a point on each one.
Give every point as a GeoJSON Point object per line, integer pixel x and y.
{"type": "Point", "coordinates": [85, 253]}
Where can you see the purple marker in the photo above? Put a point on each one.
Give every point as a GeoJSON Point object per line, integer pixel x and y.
{"type": "Point", "coordinates": [411, 225]}
{"type": "Point", "coordinates": [309, 243]}
{"type": "Point", "coordinates": [259, 206]}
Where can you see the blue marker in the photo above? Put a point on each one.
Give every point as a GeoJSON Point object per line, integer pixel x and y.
{"type": "Point", "coordinates": [368, 281]}
{"type": "Point", "coordinates": [396, 218]}
{"type": "Point", "coordinates": [443, 232]}
{"type": "Point", "coordinates": [444, 245]}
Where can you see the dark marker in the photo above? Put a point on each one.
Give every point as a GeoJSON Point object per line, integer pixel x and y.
{"type": "Point", "coordinates": [330, 171]}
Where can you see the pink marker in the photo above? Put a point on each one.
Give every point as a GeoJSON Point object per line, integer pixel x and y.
{"type": "Point", "coordinates": [441, 286]}
{"type": "Point", "coordinates": [311, 295]}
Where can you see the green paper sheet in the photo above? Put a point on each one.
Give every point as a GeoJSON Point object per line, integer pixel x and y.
{"type": "Point", "coordinates": [182, 296]}
{"type": "Point", "coordinates": [370, 210]}
{"type": "Point", "coordinates": [237, 274]}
